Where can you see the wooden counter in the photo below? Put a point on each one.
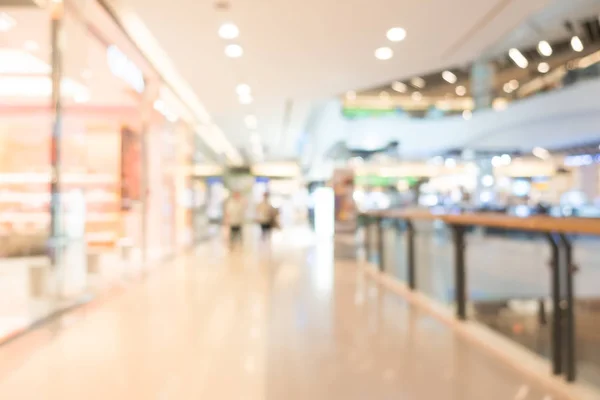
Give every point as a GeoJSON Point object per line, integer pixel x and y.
{"type": "Point", "coordinates": [587, 226]}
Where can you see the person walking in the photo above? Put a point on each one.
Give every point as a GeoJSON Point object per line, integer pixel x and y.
{"type": "Point", "coordinates": [235, 212]}
{"type": "Point", "coordinates": [266, 216]}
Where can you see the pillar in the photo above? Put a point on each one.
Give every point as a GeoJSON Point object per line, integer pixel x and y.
{"type": "Point", "coordinates": [56, 228]}
{"type": "Point", "coordinates": [482, 84]}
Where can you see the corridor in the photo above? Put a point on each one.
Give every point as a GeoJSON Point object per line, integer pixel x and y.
{"type": "Point", "coordinates": [254, 324]}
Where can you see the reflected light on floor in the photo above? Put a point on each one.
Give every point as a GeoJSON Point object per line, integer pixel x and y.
{"type": "Point", "coordinates": [323, 268]}
{"type": "Point", "coordinates": [324, 211]}
{"type": "Point", "coordinates": [522, 393]}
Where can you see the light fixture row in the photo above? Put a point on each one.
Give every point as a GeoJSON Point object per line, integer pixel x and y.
{"type": "Point", "coordinates": [545, 49]}
{"type": "Point", "coordinates": [394, 35]}
{"type": "Point", "coordinates": [230, 31]}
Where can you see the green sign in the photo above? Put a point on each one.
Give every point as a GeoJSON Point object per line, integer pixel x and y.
{"type": "Point", "coordinates": [377, 180]}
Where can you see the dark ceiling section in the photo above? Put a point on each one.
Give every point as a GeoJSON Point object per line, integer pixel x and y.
{"type": "Point", "coordinates": [581, 148]}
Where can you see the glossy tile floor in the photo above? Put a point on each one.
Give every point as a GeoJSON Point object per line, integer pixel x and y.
{"type": "Point", "coordinates": [255, 323]}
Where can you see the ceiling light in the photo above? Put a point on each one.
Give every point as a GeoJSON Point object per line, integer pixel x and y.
{"type": "Point", "coordinates": [251, 122]}
{"type": "Point", "coordinates": [506, 159]}
{"type": "Point", "coordinates": [399, 87]}
{"type": "Point", "coordinates": [6, 22]}
{"type": "Point", "coordinates": [384, 53]}
{"type": "Point", "coordinates": [518, 58]}
{"type": "Point", "coordinates": [487, 180]}
{"type": "Point", "coordinates": [351, 95]}
{"type": "Point", "coordinates": [246, 99]}
{"type": "Point", "coordinates": [544, 48]}
{"type": "Point", "coordinates": [243, 89]}
{"type": "Point", "coordinates": [543, 67]}
{"type": "Point", "coordinates": [229, 31]}
{"type": "Point", "coordinates": [507, 88]}
{"type": "Point", "coordinates": [450, 163]}
{"type": "Point", "coordinates": [461, 90]}
{"type": "Point", "coordinates": [467, 115]}
{"type": "Point", "coordinates": [449, 77]}
{"type": "Point", "coordinates": [396, 34]}
{"type": "Point", "coordinates": [514, 84]}
{"type": "Point", "coordinates": [234, 51]}
{"type": "Point", "coordinates": [576, 44]}
{"type": "Point", "coordinates": [418, 82]}
{"type": "Point", "coordinates": [416, 96]}
{"type": "Point", "coordinates": [541, 153]}
{"type": "Point", "coordinates": [31, 46]}
{"type": "Point", "coordinates": [500, 104]}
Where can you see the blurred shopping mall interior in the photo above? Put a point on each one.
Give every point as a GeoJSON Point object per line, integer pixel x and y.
{"type": "Point", "coordinates": [433, 167]}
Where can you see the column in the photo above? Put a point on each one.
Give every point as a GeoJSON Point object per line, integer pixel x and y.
{"type": "Point", "coordinates": [56, 231]}
{"type": "Point", "coordinates": [482, 84]}
{"type": "Point", "coordinates": [151, 93]}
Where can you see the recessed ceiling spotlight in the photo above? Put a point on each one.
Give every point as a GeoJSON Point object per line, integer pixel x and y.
{"type": "Point", "coordinates": [544, 48]}
{"type": "Point", "coordinates": [507, 88]}
{"type": "Point", "coordinates": [461, 90]}
{"type": "Point", "coordinates": [449, 77]}
{"type": "Point", "coordinates": [514, 84]}
{"type": "Point", "coordinates": [229, 31]}
{"type": "Point", "coordinates": [399, 87]}
{"type": "Point", "coordinates": [543, 67]}
{"type": "Point", "coordinates": [576, 44]}
{"type": "Point", "coordinates": [518, 58]}
{"type": "Point", "coordinates": [396, 34]}
{"type": "Point", "coordinates": [416, 96]}
{"type": "Point", "coordinates": [351, 95]}
{"type": "Point", "coordinates": [384, 53]}
{"type": "Point", "coordinates": [31, 45]}
{"type": "Point", "coordinates": [6, 22]}
{"type": "Point", "coordinates": [234, 50]}
{"type": "Point", "coordinates": [243, 89]}
{"type": "Point", "coordinates": [467, 115]}
{"type": "Point", "coordinates": [251, 122]}
{"type": "Point", "coordinates": [418, 82]}
{"type": "Point", "coordinates": [246, 99]}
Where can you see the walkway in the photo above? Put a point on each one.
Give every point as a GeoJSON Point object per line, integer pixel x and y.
{"type": "Point", "coordinates": [255, 325]}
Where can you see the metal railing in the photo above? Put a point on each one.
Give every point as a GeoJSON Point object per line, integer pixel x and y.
{"type": "Point", "coordinates": [556, 231]}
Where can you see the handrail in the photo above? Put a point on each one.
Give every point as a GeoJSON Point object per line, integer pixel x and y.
{"type": "Point", "coordinates": [586, 226]}
{"type": "Point", "coordinates": [556, 230]}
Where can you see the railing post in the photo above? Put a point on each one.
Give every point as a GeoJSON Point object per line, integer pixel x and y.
{"type": "Point", "coordinates": [556, 336]}
{"type": "Point", "coordinates": [367, 243]}
{"type": "Point", "coordinates": [460, 272]}
{"type": "Point", "coordinates": [410, 255]}
{"type": "Point", "coordinates": [569, 269]}
{"type": "Point", "coordinates": [380, 244]}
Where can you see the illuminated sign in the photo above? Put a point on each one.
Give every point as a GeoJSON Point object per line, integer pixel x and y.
{"type": "Point", "coordinates": [581, 160]}
{"type": "Point", "coordinates": [124, 69]}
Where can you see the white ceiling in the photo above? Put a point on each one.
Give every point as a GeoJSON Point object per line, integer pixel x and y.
{"type": "Point", "coordinates": [302, 51]}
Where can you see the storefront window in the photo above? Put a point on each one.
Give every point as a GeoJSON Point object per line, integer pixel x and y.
{"type": "Point", "coordinates": [26, 125]}
{"type": "Point", "coordinates": [110, 153]}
